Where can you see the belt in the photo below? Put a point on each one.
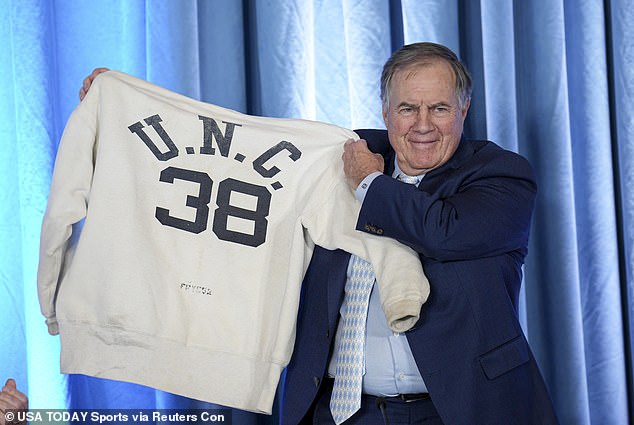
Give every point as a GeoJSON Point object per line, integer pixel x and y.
{"type": "Point", "coordinates": [408, 398]}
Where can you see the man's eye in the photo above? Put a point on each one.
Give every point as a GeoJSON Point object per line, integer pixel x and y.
{"type": "Point", "coordinates": [441, 110]}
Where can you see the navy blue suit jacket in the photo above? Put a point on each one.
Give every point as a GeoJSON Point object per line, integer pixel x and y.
{"type": "Point", "coordinates": [470, 223]}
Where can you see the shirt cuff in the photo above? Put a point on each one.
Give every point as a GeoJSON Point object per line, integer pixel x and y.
{"type": "Point", "coordinates": [363, 187]}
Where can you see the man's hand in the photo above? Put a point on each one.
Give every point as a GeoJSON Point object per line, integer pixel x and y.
{"type": "Point", "coordinates": [359, 162]}
{"type": "Point", "coordinates": [11, 399]}
{"type": "Point", "coordinates": [87, 83]}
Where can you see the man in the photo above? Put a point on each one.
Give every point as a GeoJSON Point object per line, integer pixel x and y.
{"type": "Point", "coordinates": [466, 362]}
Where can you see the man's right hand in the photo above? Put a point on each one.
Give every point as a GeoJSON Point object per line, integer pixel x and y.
{"type": "Point", "coordinates": [88, 82]}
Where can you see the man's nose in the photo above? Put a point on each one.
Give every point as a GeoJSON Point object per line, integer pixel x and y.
{"type": "Point", "coordinates": [423, 121]}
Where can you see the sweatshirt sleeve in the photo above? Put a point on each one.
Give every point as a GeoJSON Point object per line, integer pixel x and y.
{"type": "Point", "coordinates": [403, 286]}
{"type": "Point", "coordinates": [67, 200]}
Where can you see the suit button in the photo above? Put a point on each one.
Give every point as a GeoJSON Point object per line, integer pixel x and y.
{"type": "Point", "coordinates": [328, 334]}
{"type": "Point", "coordinates": [316, 381]}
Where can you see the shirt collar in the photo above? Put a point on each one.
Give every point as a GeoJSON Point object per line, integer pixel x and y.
{"type": "Point", "coordinates": [398, 171]}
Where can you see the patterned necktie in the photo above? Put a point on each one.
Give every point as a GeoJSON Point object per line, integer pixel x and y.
{"type": "Point", "coordinates": [346, 392]}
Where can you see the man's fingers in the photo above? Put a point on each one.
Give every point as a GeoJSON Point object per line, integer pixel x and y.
{"type": "Point", "coordinates": [96, 72]}
{"type": "Point", "coordinates": [85, 86]}
{"type": "Point", "coordinates": [359, 143]}
{"type": "Point", "coordinates": [352, 147]}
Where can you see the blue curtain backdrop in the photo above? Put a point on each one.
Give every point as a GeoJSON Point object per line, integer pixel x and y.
{"type": "Point", "coordinates": [554, 80]}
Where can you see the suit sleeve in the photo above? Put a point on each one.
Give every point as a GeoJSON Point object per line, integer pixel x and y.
{"type": "Point", "coordinates": [67, 202]}
{"type": "Point", "coordinates": [481, 209]}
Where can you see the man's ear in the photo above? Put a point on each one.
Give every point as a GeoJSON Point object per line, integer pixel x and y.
{"type": "Point", "coordinates": [466, 109]}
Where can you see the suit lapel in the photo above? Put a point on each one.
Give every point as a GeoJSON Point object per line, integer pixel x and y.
{"type": "Point", "coordinates": [337, 275]}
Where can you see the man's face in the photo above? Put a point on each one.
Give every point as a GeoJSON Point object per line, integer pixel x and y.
{"type": "Point", "coordinates": [422, 117]}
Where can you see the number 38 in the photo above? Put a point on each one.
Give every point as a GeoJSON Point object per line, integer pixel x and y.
{"type": "Point", "coordinates": [224, 210]}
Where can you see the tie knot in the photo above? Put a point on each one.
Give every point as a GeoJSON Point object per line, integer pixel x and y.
{"type": "Point", "coordinates": [407, 179]}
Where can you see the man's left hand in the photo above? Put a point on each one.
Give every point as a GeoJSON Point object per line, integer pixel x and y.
{"type": "Point", "coordinates": [359, 162]}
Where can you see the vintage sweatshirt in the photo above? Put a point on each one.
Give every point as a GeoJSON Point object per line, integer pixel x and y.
{"type": "Point", "coordinates": [177, 234]}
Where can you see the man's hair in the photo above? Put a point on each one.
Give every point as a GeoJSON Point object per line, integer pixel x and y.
{"type": "Point", "coordinates": [423, 54]}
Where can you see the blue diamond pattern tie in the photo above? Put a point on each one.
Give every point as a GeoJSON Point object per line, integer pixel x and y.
{"type": "Point", "coordinates": [346, 391]}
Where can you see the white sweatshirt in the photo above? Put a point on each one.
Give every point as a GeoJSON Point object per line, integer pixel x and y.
{"type": "Point", "coordinates": [198, 225]}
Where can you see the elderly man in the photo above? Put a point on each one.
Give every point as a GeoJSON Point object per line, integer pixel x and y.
{"type": "Point", "coordinates": [465, 206]}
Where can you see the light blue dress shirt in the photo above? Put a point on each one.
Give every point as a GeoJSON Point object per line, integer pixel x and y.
{"type": "Point", "coordinates": [390, 368]}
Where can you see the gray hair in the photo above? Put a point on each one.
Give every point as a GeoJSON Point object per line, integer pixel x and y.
{"type": "Point", "coordinates": [422, 54]}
